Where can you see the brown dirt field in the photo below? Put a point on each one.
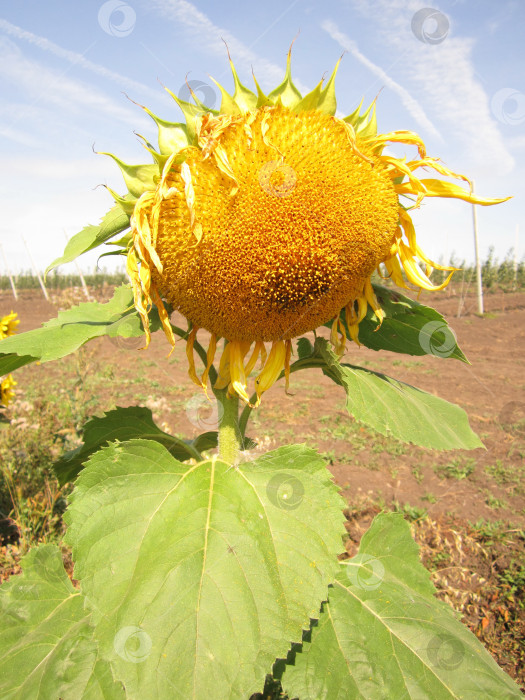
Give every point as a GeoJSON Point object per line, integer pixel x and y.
{"type": "Point", "coordinates": [456, 489]}
{"type": "Point", "coordinates": [491, 390]}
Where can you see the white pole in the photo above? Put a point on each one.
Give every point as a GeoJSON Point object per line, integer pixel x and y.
{"type": "Point", "coordinates": [479, 282]}
{"type": "Point", "coordinates": [79, 271]}
{"type": "Point", "coordinates": [42, 285]}
{"type": "Point", "coordinates": [9, 274]}
{"type": "Point", "coordinates": [516, 255]}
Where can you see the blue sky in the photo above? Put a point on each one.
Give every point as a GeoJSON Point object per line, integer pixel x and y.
{"type": "Point", "coordinates": [454, 74]}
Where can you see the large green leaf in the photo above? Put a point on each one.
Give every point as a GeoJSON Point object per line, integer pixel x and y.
{"type": "Point", "coordinates": [10, 362]}
{"type": "Point", "coordinates": [408, 327]}
{"type": "Point", "coordinates": [216, 569]}
{"type": "Point", "coordinates": [90, 237]}
{"type": "Point", "coordinates": [383, 634]}
{"type": "Point", "coordinates": [63, 335]}
{"type": "Point", "coordinates": [124, 424]}
{"type": "Point", "coordinates": [47, 649]}
{"type": "Point", "coordinates": [398, 410]}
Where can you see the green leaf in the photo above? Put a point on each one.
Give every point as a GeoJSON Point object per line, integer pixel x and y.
{"type": "Point", "coordinates": [119, 425]}
{"type": "Point", "coordinates": [408, 327]}
{"type": "Point", "coordinates": [10, 362]}
{"type": "Point", "coordinates": [46, 643]}
{"type": "Point", "coordinates": [304, 348]}
{"type": "Point", "coordinates": [398, 410]}
{"type": "Point", "coordinates": [63, 335]}
{"type": "Point", "coordinates": [90, 237]}
{"type": "Point", "coordinates": [206, 441]}
{"type": "Point", "coordinates": [383, 634]}
{"type": "Point", "coordinates": [217, 568]}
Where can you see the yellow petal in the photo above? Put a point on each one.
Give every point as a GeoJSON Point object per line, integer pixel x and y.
{"type": "Point", "coordinates": [272, 369]}
{"type": "Point", "coordinates": [350, 133]}
{"type": "Point", "coordinates": [338, 341]}
{"type": "Point", "coordinates": [238, 375]}
{"type": "Point", "coordinates": [259, 346]}
{"type": "Point", "coordinates": [415, 274]}
{"type": "Point", "coordinates": [395, 272]}
{"type": "Point", "coordinates": [408, 137]}
{"type": "Point", "coordinates": [163, 315]}
{"type": "Point", "coordinates": [372, 301]}
{"type": "Point", "coordinates": [139, 295]}
{"type": "Point", "coordinates": [210, 355]}
{"type": "Point", "coordinates": [224, 369]}
{"type": "Point", "coordinates": [438, 167]}
{"type": "Point", "coordinates": [189, 354]}
{"type": "Point", "coordinates": [353, 319]}
{"type": "Point", "coordinates": [401, 168]}
{"type": "Point", "coordinates": [440, 188]}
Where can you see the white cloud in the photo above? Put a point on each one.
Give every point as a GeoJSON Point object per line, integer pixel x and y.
{"type": "Point", "coordinates": [25, 139]}
{"type": "Point", "coordinates": [210, 37]}
{"type": "Point", "coordinates": [411, 104]}
{"type": "Point", "coordinates": [517, 141]}
{"type": "Point", "coordinates": [81, 169]}
{"type": "Point", "coordinates": [73, 57]}
{"type": "Point", "coordinates": [444, 77]}
{"type": "Point", "coordinates": [41, 84]}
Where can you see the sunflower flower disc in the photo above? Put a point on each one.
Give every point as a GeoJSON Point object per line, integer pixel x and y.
{"type": "Point", "coordinates": [309, 222]}
{"type": "Point", "coordinates": [266, 219]}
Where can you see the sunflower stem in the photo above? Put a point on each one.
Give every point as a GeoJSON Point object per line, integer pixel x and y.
{"type": "Point", "coordinates": [230, 438]}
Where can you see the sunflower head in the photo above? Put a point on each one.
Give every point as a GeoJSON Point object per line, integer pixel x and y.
{"type": "Point", "coordinates": [261, 221]}
{"type": "Point", "coordinates": [7, 391]}
{"type": "Point", "coordinates": [8, 325]}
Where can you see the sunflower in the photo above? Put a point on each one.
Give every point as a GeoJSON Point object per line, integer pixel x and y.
{"type": "Point", "coordinates": [7, 392]}
{"type": "Point", "coordinates": [262, 220]}
{"type": "Point", "coordinates": [8, 325]}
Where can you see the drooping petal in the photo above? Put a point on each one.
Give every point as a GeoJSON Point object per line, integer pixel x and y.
{"type": "Point", "coordinates": [272, 369]}
{"type": "Point", "coordinates": [238, 375]}
{"type": "Point", "coordinates": [440, 188]}
{"type": "Point", "coordinates": [191, 360]}
{"type": "Point", "coordinates": [223, 378]}
{"type": "Point", "coordinates": [210, 356]}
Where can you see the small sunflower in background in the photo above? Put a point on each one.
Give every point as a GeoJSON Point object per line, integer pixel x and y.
{"type": "Point", "coordinates": [264, 219]}
{"type": "Point", "coordinates": [7, 392]}
{"type": "Point", "coordinates": [8, 326]}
